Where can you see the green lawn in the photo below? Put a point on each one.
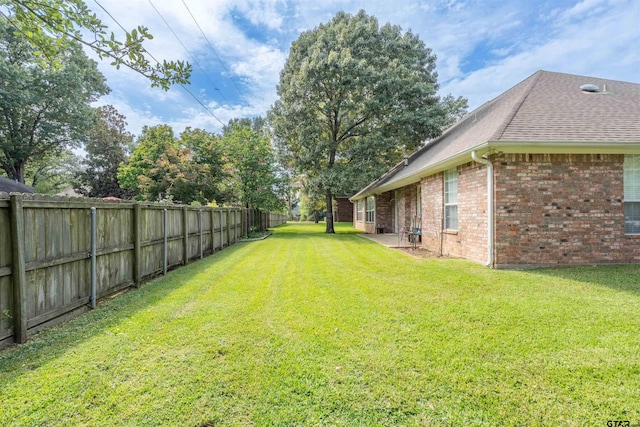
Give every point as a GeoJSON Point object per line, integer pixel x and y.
{"type": "Point", "coordinates": [310, 329]}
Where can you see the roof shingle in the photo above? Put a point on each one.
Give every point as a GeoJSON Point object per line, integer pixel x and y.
{"type": "Point", "coordinates": [547, 107]}
{"type": "Point", "coordinates": [11, 186]}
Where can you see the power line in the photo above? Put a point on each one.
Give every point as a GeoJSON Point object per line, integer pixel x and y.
{"type": "Point", "coordinates": [213, 50]}
{"type": "Point", "coordinates": [70, 35]}
{"type": "Point", "coordinates": [186, 49]}
{"type": "Point", "coordinates": [111, 16]}
{"type": "Point", "coordinates": [203, 106]}
{"type": "Point", "coordinates": [153, 57]}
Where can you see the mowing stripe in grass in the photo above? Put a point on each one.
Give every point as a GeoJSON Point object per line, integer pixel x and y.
{"type": "Point", "coordinates": [305, 328]}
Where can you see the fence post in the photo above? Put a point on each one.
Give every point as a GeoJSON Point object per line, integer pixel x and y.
{"type": "Point", "coordinates": [185, 230]}
{"type": "Point", "coordinates": [235, 226]}
{"type": "Point", "coordinates": [94, 245]}
{"type": "Point", "coordinates": [213, 245]}
{"type": "Point", "coordinates": [245, 222]}
{"type": "Point", "coordinates": [18, 272]}
{"type": "Point", "coordinates": [137, 247]}
{"type": "Point", "coordinates": [221, 231]}
{"type": "Point", "coordinates": [200, 229]}
{"type": "Point", "coordinates": [165, 249]}
{"type": "Point", "coordinates": [228, 217]}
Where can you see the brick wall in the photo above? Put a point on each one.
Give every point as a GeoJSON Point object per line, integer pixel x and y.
{"type": "Point", "coordinates": [470, 239]}
{"type": "Point", "coordinates": [407, 204]}
{"type": "Point", "coordinates": [549, 210]}
{"type": "Point", "coordinates": [410, 202]}
{"type": "Point", "coordinates": [384, 211]}
{"type": "Point", "coordinates": [432, 205]}
{"type": "Point", "coordinates": [561, 210]}
{"type": "Point", "coordinates": [400, 198]}
{"type": "Point", "coordinates": [344, 210]}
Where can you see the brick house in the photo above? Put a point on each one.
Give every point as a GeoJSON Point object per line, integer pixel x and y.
{"type": "Point", "coordinates": [547, 173]}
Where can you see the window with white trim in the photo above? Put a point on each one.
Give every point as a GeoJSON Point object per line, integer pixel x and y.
{"type": "Point", "coordinates": [632, 194]}
{"type": "Point", "coordinates": [370, 209]}
{"type": "Point", "coordinates": [419, 201]}
{"type": "Point", "coordinates": [451, 199]}
{"type": "Point", "coordinates": [360, 210]}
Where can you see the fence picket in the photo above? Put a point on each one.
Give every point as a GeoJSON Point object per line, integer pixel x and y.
{"type": "Point", "coordinates": [45, 251]}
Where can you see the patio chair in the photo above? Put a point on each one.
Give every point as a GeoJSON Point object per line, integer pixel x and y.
{"type": "Point", "coordinates": [415, 234]}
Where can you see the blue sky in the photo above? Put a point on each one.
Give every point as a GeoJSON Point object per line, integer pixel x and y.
{"type": "Point", "coordinates": [483, 48]}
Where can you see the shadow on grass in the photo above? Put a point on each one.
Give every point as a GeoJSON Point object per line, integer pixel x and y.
{"type": "Point", "coordinates": [310, 228]}
{"type": "Point", "coordinates": [52, 342]}
{"type": "Point", "coordinates": [624, 277]}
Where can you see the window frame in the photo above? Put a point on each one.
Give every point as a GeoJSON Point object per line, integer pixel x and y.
{"type": "Point", "coordinates": [370, 210]}
{"type": "Point", "coordinates": [631, 182]}
{"type": "Point", "coordinates": [450, 199]}
{"type": "Point", "coordinates": [360, 210]}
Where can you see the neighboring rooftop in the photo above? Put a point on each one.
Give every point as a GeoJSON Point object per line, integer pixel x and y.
{"type": "Point", "coordinates": [11, 186]}
{"type": "Point", "coordinates": [547, 108]}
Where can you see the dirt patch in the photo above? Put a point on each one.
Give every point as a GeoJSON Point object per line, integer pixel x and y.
{"type": "Point", "coordinates": [421, 253]}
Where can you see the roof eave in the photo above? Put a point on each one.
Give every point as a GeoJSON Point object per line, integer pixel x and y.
{"type": "Point", "coordinates": [507, 147]}
{"type": "Point", "coordinates": [448, 163]}
{"type": "Point", "coordinates": [565, 147]}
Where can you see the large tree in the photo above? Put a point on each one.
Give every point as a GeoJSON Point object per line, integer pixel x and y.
{"type": "Point", "coordinates": [54, 26]}
{"type": "Point", "coordinates": [146, 170]}
{"type": "Point", "coordinates": [107, 145]}
{"type": "Point", "coordinates": [207, 164]}
{"type": "Point", "coordinates": [251, 165]}
{"type": "Point", "coordinates": [43, 111]}
{"type": "Point", "coordinates": [354, 98]}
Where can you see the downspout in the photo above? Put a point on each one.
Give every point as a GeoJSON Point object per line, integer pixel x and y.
{"type": "Point", "coordinates": [490, 222]}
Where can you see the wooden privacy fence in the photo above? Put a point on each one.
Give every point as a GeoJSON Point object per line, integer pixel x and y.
{"type": "Point", "coordinates": [257, 220]}
{"type": "Point", "coordinates": [59, 255]}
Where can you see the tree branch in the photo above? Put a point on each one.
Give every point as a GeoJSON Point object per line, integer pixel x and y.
{"type": "Point", "coordinates": [347, 133]}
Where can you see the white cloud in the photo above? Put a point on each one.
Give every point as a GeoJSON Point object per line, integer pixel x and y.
{"type": "Point", "coordinates": [586, 47]}
{"type": "Point", "coordinates": [583, 9]}
{"type": "Point", "coordinates": [137, 116]}
{"type": "Point", "coordinates": [263, 12]}
{"type": "Point", "coordinates": [483, 48]}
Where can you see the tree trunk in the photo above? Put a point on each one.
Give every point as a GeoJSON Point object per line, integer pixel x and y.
{"type": "Point", "coordinates": [329, 220]}
{"type": "Point", "coordinates": [315, 216]}
{"type": "Point", "coordinates": [17, 174]}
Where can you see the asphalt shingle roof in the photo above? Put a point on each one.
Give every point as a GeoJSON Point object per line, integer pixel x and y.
{"type": "Point", "coordinates": [11, 186]}
{"type": "Point", "coordinates": [555, 109]}
{"type": "Point", "coordinates": [547, 107]}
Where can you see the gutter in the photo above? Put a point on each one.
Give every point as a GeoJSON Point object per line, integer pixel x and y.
{"type": "Point", "coordinates": [490, 209]}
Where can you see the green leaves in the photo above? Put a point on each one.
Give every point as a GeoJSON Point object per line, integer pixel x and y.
{"type": "Point", "coordinates": [251, 165]}
{"type": "Point", "coordinates": [51, 26]}
{"type": "Point", "coordinates": [235, 168]}
{"type": "Point", "coordinates": [107, 145]}
{"type": "Point", "coordinates": [42, 110]}
{"type": "Point", "coordinates": [354, 98]}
